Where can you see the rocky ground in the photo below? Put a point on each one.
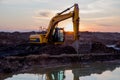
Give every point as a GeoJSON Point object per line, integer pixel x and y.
{"type": "Point", "coordinates": [15, 38]}
{"type": "Point", "coordinates": [12, 44]}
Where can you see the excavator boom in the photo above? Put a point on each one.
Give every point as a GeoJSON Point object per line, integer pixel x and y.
{"type": "Point", "coordinates": [76, 22]}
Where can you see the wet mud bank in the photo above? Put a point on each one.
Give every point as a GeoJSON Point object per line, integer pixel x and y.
{"type": "Point", "coordinates": [85, 69]}
{"type": "Point", "coordinates": [15, 63]}
{"type": "Point", "coordinates": [15, 56]}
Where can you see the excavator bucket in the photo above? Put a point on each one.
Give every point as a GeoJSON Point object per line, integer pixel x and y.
{"type": "Point", "coordinates": [82, 47]}
{"type": "Point", "coordinates": [75, 45]}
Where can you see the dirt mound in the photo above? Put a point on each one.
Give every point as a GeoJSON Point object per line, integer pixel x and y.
{"type": "Point", "coordinates": [98, 47]}
{"type": "Point", "coordinates": [57, 50]}
{"type": "Point", "coordinates": [118, 44]}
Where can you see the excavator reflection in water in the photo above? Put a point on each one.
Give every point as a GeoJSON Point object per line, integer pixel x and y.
{"type": "Point", "coordinates": [61, 74]}
{"type": "Point", "coordinates": [81, 71]}
{"type": "Point", "coordinates": [56, 75]}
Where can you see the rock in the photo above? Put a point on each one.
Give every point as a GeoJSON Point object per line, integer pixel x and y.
{"type": "Point", "coordinates": [98, 47]}
{"type": "Point", "coordinates": [118, 44]}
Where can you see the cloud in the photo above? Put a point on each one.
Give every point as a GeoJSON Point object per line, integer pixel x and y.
{"type": "Point", "coordinates": [14, 2]}
{"type": "Point", "coordinates": [42, 17]}
{"type": "Point", "coordinates": [99, 12]}
{"type": "Point", "coordinates": [109, 7]}
{"type": "Point", "coordinates": [1, 0]}
{"type": "Point", "coordinates": [44, 14]}
{"type": "Point", "coordinates": [103, 13]}
{"type": "Point", "coordinates": [106, 25]}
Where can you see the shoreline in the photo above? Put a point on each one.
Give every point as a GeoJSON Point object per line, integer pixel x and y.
{"type": "Point", "coordinates": [79, 67]}
{"type": "Point", "coordinates": [13, 64]}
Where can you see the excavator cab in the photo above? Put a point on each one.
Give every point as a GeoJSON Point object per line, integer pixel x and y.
{"type": "Point", "coordinates": [58, 35]}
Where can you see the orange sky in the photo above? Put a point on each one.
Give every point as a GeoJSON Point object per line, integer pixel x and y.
{"type": "Point", "coordinates": [25, 15]}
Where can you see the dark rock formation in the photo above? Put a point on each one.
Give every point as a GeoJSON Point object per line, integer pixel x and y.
{"type": "Point", "coordinates": [98, 47]}
{"type": "Point", "coordinates": [118, 44]}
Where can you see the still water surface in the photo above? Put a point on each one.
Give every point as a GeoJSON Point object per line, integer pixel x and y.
{"type": "Point", "coordinates": [92, 71]}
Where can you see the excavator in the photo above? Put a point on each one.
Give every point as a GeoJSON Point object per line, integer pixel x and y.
{"type": "Point", "coordinates": [54, 34]}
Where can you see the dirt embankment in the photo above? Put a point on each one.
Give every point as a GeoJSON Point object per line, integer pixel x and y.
{"type": "Point", "coordinates": [13, 64]}
{"type": "Point", "coordinates": [118, 44]}
{"type": "Point", "coordinates": [19, 62]}
{"type": "Point", "coordinates": [41, 57]}
{"type": "Point", "coordinates": [54, 55]}
{"type": "Point", "coordinates": [7, 38]}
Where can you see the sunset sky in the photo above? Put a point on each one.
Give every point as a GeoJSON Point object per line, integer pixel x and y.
{"type": "Point", "coordinates": [29, 15]}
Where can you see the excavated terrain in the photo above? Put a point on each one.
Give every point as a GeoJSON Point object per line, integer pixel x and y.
{"type": "Point", "coordinates": [14, 49]}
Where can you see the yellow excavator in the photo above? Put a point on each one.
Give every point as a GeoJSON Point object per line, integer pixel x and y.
{"type": "Point", "coordinates": [54, 34]}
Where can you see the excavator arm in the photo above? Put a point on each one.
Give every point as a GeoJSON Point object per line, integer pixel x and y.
{"type": "Point", "coordinates": [54, 21]}
{"type": "Point", "coordinates": [76, 22]}
{"type": "Point", "coordinates": [60, 17]}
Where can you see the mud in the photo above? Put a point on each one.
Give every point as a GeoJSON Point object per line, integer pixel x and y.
{"type": "Point", "coordinates": [16, 55]}
{"type": "Point", "coordinates": [18, 61]}
{"type": "Point", "coordinates": [98, 47]}
{"type": "Point", "coordinates": [118, 44]}
{"type": "Point", "coordinates": [13, 64]}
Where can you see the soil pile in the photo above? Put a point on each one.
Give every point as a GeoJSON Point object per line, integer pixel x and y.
{"type": "Point", "coordinates": [98, 47]}
{"type": "Point", "coordinates": [15, 55]}
{"type": "Point", "coordinates": [118, 44]}
{"type": "Point", "coordinates": [57, 50]}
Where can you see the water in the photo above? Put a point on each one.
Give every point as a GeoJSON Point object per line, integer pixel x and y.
{"type": "Point", "coordinates": [113, 46]}
{"type": "Point", "coordinates": [86, 71]}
